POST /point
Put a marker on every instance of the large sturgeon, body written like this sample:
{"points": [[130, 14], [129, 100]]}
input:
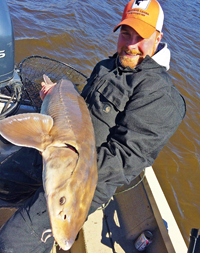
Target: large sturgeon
{"points": [[64, 135]]}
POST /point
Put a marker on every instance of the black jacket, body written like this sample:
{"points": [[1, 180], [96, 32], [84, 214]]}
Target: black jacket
{"points": [[134, 113]]}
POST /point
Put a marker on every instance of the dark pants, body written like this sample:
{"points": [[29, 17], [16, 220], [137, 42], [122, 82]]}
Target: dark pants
{"points": [[21, 185]]}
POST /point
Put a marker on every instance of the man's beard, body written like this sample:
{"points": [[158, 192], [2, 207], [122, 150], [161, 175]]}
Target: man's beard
{"points": [[128, 61]]}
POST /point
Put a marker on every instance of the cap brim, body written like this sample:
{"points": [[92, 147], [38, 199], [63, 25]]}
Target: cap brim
{"points": [[143, 29]]}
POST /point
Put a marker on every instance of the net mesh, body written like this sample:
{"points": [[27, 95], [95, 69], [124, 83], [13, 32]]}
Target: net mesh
{"points": [[31, 71]]}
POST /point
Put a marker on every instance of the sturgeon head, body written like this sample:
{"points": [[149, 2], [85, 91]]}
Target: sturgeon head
{"points": [[64, 135]]}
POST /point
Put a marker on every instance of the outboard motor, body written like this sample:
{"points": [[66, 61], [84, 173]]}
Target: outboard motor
{"points": [[9, 79], [7, 46]]}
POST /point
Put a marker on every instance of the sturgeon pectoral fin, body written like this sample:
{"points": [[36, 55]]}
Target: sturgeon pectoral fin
{"points": [[28, 129]]}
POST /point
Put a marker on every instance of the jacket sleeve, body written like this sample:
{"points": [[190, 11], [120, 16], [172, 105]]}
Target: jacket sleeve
{"points": [[145, 126]]}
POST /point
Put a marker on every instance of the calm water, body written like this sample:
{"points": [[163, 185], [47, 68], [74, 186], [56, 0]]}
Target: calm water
{"points": [[80, 33]]}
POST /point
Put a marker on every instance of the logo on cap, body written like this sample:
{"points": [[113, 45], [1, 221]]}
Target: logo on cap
{"points": [[142, 4]]}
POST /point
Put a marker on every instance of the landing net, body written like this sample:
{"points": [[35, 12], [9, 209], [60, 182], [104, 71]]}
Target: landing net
{"points": [[32, 69]]}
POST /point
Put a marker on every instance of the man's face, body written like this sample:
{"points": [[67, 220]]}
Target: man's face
{"points": [[132, 48]]}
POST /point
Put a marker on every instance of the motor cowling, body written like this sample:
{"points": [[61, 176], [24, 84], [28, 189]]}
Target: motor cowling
{"points": [[7, 46]]}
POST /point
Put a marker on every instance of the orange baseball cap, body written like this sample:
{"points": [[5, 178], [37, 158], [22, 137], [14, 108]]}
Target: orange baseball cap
{"points": [[144, 16]]}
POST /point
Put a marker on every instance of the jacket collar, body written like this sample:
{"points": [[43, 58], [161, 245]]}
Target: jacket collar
{"points": [[162, 55]]}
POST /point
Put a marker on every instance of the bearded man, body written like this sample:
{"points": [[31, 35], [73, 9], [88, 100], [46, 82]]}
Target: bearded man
{"points": [[135, 107]]}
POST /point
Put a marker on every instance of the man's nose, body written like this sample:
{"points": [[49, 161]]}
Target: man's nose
{"points": [[133, 41]]}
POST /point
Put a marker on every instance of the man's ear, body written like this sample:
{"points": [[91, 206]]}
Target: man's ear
{"points": [[159, 37], [157, 41]]}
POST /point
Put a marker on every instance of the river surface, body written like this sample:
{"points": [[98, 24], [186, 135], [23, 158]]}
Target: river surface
{"points": [[80, 34]]}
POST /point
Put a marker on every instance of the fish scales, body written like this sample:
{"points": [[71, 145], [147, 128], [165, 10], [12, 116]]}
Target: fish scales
{"points": [[66, 108], [60, 108]]}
